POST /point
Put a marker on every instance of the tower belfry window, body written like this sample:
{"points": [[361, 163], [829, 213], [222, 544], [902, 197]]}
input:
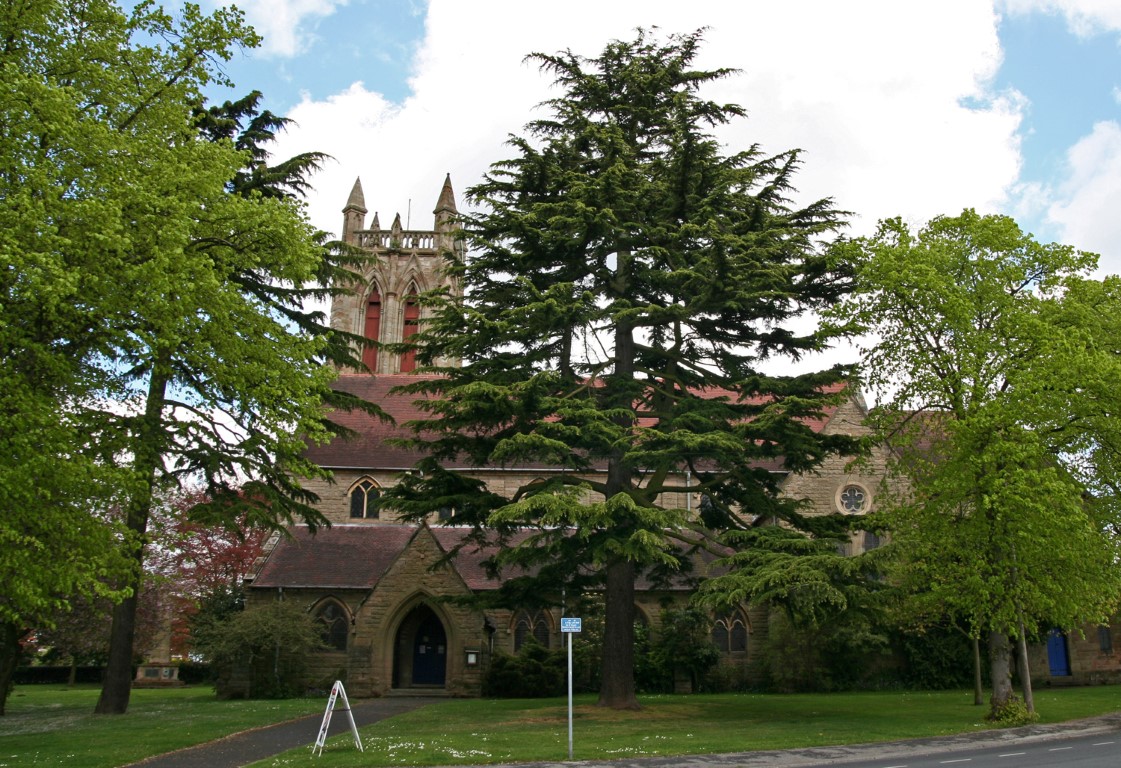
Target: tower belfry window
{"points": [[372, 329], [411, 325]]}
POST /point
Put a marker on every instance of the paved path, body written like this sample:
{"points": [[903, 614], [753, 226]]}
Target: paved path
{"points": [[250, 746]]}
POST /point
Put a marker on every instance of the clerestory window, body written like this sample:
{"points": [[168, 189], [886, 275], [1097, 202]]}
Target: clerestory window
{"points": [[363, 499]]}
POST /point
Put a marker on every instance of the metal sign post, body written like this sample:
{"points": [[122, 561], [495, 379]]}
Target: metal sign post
{"points": [[570, 626], [320, 740]]}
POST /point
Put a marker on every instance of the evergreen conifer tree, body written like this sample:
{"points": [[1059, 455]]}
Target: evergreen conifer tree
{"points": [[627, 279]]}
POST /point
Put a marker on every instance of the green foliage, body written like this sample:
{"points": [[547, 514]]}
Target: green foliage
{"points": [[809, 577], [650, 674], [261, 652], [1012, 713], [729, 677], [682, 645], [935, 659], [848, 653], [624, 271], [994, 357], [153, 328], [535, 672], [217, 607]]}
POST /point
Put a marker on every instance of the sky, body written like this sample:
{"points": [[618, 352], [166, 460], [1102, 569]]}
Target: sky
{"points": [[910, 109]]}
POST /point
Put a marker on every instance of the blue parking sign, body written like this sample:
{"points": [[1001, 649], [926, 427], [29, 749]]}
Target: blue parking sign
{"points": [[569, 624]]}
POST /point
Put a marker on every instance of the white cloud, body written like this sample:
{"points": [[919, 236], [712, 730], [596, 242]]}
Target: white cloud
{"points": [[1086, 210], [890, 101], [286, 27], [1085, 17]]}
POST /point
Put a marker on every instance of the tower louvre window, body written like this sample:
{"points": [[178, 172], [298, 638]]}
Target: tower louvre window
{"points": [[372, 329], [410, 327]]}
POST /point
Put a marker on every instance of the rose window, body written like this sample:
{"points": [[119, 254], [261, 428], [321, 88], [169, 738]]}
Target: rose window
{"points": [[853, 499]]}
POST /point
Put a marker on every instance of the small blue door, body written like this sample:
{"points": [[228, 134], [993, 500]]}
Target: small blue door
{"points": [[1057, 656]]}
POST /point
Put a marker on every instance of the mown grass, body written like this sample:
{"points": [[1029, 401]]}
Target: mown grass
{"points": [[480, 732], [53, 725]]}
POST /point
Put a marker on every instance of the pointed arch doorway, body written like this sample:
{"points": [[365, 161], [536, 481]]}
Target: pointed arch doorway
{"points": [[421, 650]]}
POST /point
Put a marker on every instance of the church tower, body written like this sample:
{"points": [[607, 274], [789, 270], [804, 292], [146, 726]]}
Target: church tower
{"points": [[404, 263]]}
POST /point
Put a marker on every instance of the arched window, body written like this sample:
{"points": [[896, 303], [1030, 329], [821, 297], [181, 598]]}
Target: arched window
{"points": [[372, 329], [363, 499], [412, 324], [527, 625], [729, 632], [335, 625]]}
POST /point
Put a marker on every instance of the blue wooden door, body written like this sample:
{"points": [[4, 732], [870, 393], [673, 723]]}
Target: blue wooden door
{"points": [[1057, 656]]}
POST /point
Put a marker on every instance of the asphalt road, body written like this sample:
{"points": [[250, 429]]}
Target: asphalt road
{"points": [[1095, 751]]}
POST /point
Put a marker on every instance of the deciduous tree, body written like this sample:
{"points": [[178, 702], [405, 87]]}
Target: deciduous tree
{"points": [[996, 386], [160, 289]]}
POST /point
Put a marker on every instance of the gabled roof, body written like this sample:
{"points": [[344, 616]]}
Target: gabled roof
{"points": [[369, 450], [357, 556], [339, 557]]}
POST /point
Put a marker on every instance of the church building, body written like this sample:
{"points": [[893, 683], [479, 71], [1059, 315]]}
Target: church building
{"points": [[378, 585]]}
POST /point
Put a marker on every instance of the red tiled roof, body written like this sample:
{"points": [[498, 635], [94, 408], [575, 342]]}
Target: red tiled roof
{"points": [[357, 556], [339, 557], [468, 562], [369, 449]]}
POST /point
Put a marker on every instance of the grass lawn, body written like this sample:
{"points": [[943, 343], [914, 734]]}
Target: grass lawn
{"points": [[54, 725], [484, 731]]}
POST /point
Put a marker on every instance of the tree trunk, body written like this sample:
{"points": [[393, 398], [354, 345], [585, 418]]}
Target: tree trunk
{"points": [[147, 442], [10, 634], [617, 671], [978, 688], [617, 674], [117, 686], [1000, 670], [1024, 670]]}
